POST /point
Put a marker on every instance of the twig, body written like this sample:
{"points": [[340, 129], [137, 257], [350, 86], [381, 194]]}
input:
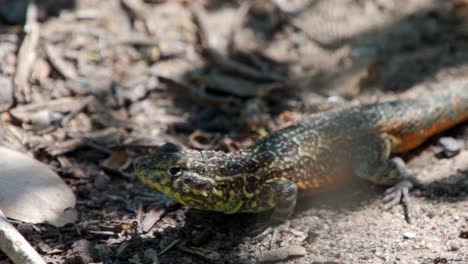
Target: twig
{"points": [[227, 104], [88, 142], [235, 67], [27, 55], [290, 18], [242, 87], [240, 18], [171, 245], [86, 101], [225, 63], [209, 255], [198, 12], [88, 139], [136, 11], [15, 246], [63, 67]]}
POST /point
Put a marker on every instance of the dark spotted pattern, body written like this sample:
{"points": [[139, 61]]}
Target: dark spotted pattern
{"points": [[320, 152]]}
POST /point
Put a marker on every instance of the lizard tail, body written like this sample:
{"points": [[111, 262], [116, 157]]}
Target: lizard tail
{"points": [[425, 118]]}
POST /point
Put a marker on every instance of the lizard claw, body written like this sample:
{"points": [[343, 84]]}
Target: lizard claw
{"points": [[398, 194]]}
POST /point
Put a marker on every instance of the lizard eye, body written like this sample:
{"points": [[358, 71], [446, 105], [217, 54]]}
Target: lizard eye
{"points": [[175, 171]]}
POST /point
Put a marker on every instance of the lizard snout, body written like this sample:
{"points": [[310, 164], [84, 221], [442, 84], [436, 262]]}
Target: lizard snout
{"points": [[142, 164]]}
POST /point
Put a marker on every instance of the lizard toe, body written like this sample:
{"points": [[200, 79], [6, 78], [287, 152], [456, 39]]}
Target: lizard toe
{"points": [[399, 194], [391, 200]]}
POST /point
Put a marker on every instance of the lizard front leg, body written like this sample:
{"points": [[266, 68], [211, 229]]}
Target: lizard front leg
{"points": [[372, 162], [281, 196], [406, 181]]}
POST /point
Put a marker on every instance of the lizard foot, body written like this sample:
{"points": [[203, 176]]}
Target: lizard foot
{"points": [[397, 194]]}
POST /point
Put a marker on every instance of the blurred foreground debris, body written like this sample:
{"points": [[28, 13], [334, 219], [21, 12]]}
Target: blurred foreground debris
{"points": [[32, 193]]}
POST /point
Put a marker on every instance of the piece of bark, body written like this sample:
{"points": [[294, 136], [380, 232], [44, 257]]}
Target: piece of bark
{"points": [[223, 62], [136, 10], [80, 252], [152, 217], [240, 87], [227, 104], [27, 54], [65, 68], [282, 253], [96, 139], [6, 93], [206, 254], [62, 105]]}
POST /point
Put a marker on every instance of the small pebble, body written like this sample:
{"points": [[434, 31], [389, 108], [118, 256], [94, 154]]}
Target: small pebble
{"points": [[409, 235], [464, 234], [451, 146], [454, 245], [429, 246]]}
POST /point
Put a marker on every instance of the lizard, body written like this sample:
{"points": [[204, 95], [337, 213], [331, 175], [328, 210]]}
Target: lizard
{"points": [[320, 151]]}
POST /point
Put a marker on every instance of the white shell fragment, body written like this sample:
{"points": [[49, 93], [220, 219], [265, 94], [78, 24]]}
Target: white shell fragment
{"points": [[32, 193]]}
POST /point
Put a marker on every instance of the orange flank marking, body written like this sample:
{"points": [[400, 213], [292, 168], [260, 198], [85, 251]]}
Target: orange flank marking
{"points": [[301, 185], [315, 183], [413, 139]]}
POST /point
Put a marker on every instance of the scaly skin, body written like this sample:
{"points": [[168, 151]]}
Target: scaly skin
{"points": [[319, 152]]}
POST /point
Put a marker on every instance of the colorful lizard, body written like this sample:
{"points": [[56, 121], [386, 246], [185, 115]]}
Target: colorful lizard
{"points": [[318, 152]]}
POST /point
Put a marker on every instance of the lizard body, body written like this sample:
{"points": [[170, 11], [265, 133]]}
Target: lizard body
{"points": [[319, 152]]}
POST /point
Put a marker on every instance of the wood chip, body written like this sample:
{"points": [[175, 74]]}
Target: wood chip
{"points": [[282, 253], [6, 93], [240, 87], [136, 10], [65, 68], [223, 62], [27, 55], [80, 252], [96, 139], [152, 217], [225, 103], [209, 255], [62, 105], [171, 245]]}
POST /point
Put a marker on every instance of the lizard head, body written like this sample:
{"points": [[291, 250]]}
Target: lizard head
{"points": [[191, 177]]}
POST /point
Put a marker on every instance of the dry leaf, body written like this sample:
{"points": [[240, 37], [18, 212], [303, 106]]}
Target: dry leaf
{"points": [[282, 253], [32, 193]]}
